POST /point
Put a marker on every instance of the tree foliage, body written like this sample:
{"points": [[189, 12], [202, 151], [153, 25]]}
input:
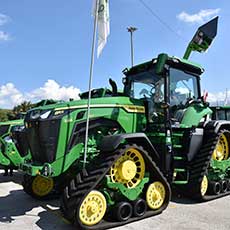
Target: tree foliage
{"points": [[6, 114], [23, 107]]}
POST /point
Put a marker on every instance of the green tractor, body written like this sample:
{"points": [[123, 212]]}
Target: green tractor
{"points": [[221, 112], [156, 133], [13, 149]]}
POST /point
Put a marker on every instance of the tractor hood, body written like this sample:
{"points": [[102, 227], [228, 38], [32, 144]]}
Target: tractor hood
{"points": [[61, 109], [51, 128]]}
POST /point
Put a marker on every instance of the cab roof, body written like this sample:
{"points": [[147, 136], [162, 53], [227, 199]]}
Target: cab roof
{"points": [[172, 61]]}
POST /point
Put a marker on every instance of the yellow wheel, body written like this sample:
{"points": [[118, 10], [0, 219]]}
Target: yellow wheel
{"points": [[129, 169], [93, 208], [42, 186], [221, 151], [155, 195], [204, 185]]}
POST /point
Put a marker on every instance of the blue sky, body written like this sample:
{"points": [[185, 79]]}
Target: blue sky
{"points": [[45, 46]]}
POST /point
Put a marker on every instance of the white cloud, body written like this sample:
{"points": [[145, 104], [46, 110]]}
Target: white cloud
{"points": [[4, 19], [219, 98], [200, 17], [52, 90], [4, 36], [11, 96]]}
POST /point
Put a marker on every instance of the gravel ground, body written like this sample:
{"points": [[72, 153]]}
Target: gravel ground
{"points": [[19, 211]]}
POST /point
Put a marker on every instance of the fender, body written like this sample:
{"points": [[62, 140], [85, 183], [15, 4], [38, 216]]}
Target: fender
{"points": [[111, 143], [217, 124]]}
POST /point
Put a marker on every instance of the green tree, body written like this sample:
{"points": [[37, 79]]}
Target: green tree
{"points": [[23, 107], [5, 114]]}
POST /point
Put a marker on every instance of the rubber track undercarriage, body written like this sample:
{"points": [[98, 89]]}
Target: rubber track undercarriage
{"points": [[92, 178], [200, 167]]}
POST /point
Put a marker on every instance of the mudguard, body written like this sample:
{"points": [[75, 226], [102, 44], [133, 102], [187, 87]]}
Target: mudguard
{"points": [[111, 143], [217, 124]]}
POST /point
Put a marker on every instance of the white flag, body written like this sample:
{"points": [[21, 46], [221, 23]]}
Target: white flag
{"points": [[103, 24]]}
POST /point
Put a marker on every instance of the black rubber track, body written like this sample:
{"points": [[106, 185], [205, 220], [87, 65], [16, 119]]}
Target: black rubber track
{"points": [[90, 179], [198, 167]]}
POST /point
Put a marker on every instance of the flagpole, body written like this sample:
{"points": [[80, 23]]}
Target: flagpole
{"points": [[90, 81]]}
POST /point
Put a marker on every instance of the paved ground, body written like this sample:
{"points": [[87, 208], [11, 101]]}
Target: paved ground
{"points": [[19, 211]]}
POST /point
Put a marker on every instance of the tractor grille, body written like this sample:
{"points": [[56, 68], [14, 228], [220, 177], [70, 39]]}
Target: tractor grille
{"points": [[21, 141], [43, 139], [4, 129]]}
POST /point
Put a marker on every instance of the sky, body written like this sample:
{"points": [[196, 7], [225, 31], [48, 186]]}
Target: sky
{"points": [[45, 46]]}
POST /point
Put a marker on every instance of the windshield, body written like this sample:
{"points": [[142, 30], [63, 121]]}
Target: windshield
{"points": [[183, 87], [147, 85]]}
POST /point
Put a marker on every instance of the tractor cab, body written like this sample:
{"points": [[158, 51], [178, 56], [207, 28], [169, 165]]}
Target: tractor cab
{"points": [[173, 93], [170, 86]]}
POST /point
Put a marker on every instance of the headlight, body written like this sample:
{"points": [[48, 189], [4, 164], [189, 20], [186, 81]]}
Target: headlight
{"points": [[35, 114], [45, 115], [40, 114]]}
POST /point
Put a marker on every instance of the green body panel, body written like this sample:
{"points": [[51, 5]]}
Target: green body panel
{"points": [[131, 194], [12, 122], [10, 156], [11, 153], [188, 62], [194, 114], [3, 160], [219, 170]]}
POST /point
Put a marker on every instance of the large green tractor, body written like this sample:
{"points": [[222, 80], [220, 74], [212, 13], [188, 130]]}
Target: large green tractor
{"points": [[157, 132], [221, 112], [13, 149], [13, 145]]}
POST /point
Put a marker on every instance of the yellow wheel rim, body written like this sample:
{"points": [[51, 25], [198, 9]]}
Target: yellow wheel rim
{"points": [[155, 195], [221, 151], [129, 169], [93, 208], [204, 185], [42, 186]]}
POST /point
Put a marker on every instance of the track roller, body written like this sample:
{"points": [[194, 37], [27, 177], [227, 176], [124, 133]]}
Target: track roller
{"points": [[214, 187], [224, 186], [139, 207], [155, 195], [204, 185], [123, 211], [228, 184], [93, 208]]}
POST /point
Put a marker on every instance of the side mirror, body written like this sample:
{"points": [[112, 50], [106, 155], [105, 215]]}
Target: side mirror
{"points": [[161, 61]]}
